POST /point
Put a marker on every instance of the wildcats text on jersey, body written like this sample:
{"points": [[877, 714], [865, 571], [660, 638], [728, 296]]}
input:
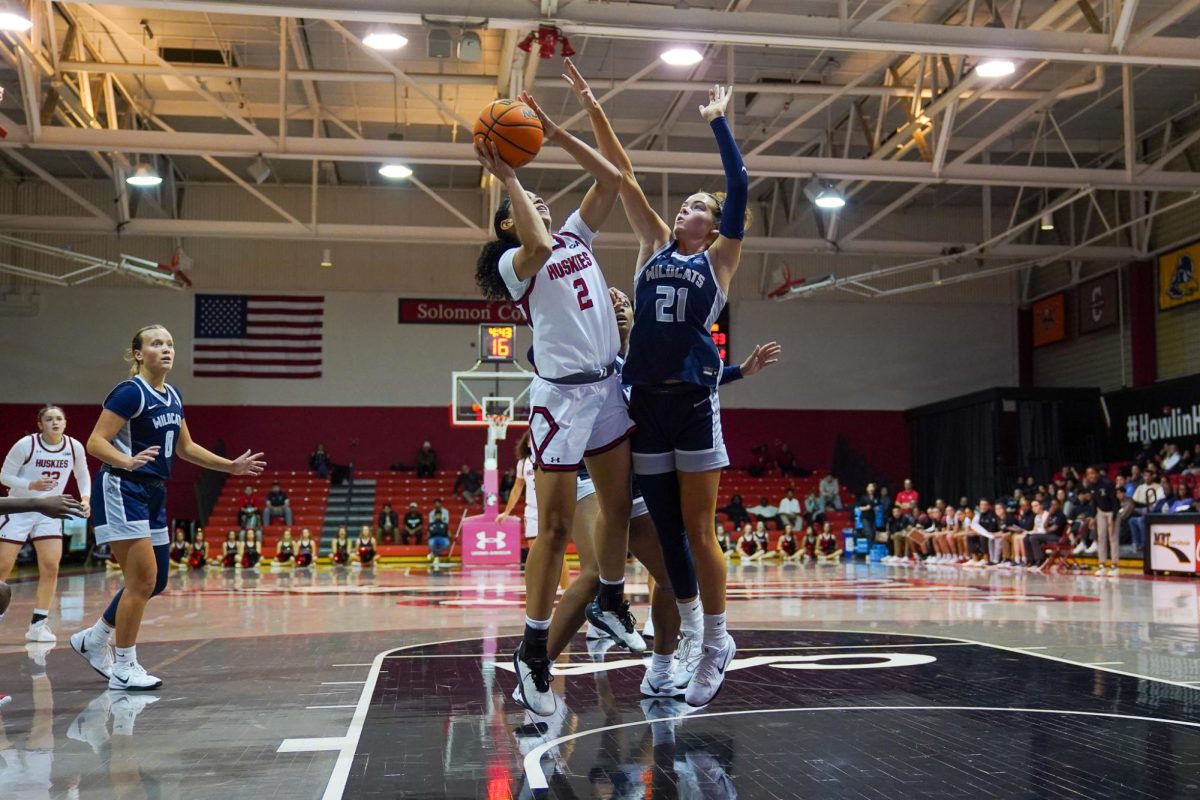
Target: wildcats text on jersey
{"points": [[170, 418], [656, 272]]}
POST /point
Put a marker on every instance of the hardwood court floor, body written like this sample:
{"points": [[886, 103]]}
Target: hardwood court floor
{"points": [[857, 682]]}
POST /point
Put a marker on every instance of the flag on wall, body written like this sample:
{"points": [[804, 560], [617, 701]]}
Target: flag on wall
{"points": [[1050, 319], [1178, 280], [258, 336], [1098, 300]]}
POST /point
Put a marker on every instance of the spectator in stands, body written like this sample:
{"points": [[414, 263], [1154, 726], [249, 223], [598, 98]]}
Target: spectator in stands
{"points": [[761, 464], [439, 519], [1171, 458], [365, 547], [736, 511], [908, 498], [885, 506], [810, 545], [306, 549], [789, 508], [198, 555], [785, 460], [724, 540], [426, 461], [814, 508], [1147, 493], [277, 505], [507, 481], [1000, 546], [468, 485], [1081, 522], [439, 546], [867, 503], [764, 511], [1042, 533], [986, 529], [285, 551], [339, 551], [413, 525], [829, 549], [831, 492], [389, 524], [248, 514], [1135, 478], [179, 548], [748, 546], [896, 530], [787, 548], [229, 556], [1065, 501], [762, 539], [319, 462], [251, 549], [1104, 498]]}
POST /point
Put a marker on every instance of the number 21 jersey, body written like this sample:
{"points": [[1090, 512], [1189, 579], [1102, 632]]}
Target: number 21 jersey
{"points": [[151, 418]]}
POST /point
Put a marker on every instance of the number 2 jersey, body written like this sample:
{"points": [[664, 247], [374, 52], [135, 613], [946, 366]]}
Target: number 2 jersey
{"points": [[676, 300], [31, 458], [151, 418], [567, 305]]}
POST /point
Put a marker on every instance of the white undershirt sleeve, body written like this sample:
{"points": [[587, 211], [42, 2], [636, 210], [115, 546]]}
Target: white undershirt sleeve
{"points": [[17, 457], [83, 478]]}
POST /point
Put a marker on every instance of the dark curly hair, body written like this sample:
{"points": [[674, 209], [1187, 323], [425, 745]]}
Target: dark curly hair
{"points": [[487, 268]]}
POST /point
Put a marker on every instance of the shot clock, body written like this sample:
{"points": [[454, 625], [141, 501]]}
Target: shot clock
{"points": [[497, 344]]}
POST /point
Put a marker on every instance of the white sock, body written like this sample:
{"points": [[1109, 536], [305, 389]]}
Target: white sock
{"points": [[101, 632], [691, 616], [714, 630], [660, 664], [126, 655], [537, 624]]}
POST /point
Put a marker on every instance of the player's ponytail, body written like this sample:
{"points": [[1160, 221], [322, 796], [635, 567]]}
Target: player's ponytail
{"points": [[135, 366], [487, 269]]}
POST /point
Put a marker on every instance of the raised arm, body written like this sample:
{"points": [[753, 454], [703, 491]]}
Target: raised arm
{"points": [[602, 196], [652, 233], [726, 252]]}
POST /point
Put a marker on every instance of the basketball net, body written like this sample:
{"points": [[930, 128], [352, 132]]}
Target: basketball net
{"points": [[497, 427]]}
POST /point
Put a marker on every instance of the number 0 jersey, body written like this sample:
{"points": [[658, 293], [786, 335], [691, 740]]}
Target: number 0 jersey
{"points": [[31, 458], [676, 300], [151, 418], [567, 305]]}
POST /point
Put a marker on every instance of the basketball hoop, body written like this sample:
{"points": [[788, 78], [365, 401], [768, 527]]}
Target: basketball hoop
{"points": [[498, 425]]}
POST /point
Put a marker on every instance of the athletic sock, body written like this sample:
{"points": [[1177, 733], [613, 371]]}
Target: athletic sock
{"points": [[611, 594], [660, 664], [537, 633], [714, 630], [39, 614], [126, 655], [691, 616], [101, 632]]}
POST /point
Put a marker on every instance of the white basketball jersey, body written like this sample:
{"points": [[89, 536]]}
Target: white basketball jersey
{"points": [[567, 305], [31, 458], [526, 471]]}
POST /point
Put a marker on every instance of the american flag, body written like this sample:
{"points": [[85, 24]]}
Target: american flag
{"points": [[258, 336]]}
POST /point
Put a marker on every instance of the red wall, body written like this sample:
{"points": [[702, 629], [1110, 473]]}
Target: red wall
{"points": [[376, 437]]}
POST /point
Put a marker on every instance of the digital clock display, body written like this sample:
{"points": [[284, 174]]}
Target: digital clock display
{"points": [[720, 334], [497, 344]]}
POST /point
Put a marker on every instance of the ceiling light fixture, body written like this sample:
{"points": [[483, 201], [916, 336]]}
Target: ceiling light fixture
{"points": [[326, 258], [144, 175], [395, 171], [995, 68], [682, 56], [1047, 223], [259, 169], [382, 37], [13, 17]]}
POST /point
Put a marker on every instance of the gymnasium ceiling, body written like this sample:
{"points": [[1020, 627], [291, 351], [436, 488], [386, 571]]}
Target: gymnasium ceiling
{"points": [[1096, 123]]}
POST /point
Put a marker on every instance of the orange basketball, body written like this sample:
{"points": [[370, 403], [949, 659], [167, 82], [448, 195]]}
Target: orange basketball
{"points": [[514, 128]]}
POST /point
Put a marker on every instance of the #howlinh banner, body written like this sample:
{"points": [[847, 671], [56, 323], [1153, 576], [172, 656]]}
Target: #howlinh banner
{"points": [[1153, 415]]}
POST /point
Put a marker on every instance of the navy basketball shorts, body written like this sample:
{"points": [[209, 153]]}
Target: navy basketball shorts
{"points": [[123, 509], [678, 429]]}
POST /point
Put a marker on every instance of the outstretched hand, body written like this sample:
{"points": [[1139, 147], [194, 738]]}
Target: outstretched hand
{"points": [[579, 86], [248, 464], [763, 356], [490, 158], [718, 102], [549, 128], [60, 506]]}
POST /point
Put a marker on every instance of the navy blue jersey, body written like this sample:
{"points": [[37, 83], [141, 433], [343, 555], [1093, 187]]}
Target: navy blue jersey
{"points": [[676, 300], [151, 418]]}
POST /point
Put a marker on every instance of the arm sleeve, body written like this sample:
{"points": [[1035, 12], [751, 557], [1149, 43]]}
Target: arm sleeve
{"points": [[83, 478], [731, 373], [737, 181], [125, 400], [13, 462], [578, 228], [517, 288]]}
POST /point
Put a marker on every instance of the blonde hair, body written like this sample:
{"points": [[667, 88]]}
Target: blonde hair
{"points": [[136, 345], [719, 201], [49, 407]]}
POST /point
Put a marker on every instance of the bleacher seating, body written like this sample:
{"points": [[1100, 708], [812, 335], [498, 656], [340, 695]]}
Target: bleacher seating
{"points": [[773, 487], [307, 495]]}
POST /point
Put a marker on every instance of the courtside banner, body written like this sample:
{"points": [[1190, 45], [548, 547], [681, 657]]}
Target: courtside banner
{"points": [[440, 311], [1173, 543], [1178, 283], [1152, 415]]}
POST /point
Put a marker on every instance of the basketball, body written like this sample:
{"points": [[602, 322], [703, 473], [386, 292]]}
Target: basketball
{"points": [[515, 129]]}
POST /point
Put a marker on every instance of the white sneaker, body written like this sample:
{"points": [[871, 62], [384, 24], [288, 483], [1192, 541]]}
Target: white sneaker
{"points": [[659, 686], [595, 633], [648, 628], [710, 673], [1113, 572], [1101, 573], [533, 685], [40, 632], [1079, 548], [37, 652], [125, 708], [132, 677], [98, 657], [1091, 549], [618, 624], [685, 660]]}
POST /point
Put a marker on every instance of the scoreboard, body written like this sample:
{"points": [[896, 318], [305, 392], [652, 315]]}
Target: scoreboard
{"points": [[720, 334], [497, 344]]}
